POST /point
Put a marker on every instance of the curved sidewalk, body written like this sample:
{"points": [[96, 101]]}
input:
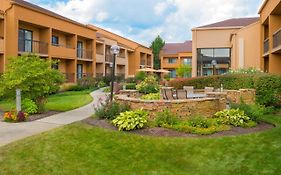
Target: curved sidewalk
{"points": [[10, 132]]}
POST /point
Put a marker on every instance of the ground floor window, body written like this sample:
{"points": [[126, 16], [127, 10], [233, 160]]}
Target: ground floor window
{"points": [[213, 61], [173, 73]]}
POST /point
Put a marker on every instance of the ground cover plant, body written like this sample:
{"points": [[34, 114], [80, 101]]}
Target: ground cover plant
{"points": [[151, 96], [98, 151]]}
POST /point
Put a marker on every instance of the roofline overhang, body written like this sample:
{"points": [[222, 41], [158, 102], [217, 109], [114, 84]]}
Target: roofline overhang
{"points": [[53, 15], [217, 28], [262, 6]]}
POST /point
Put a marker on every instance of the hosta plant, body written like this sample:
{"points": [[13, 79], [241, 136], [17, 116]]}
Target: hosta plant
{"points": [[234, 117], [131, 120]]}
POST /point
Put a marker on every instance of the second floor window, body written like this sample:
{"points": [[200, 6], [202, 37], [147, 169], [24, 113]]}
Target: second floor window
{"points": [[172, 60], [187, 61], [55, 40]]}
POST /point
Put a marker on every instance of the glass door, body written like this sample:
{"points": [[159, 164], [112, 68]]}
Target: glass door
{"points": [[25, 40], [79, 71], [80, 49]]}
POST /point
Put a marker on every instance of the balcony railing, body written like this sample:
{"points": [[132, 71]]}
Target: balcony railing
{"points": [[109, 58], [142, 62], [121, 75], [84, 54], [266, 46], [84, 75], [69, 77], [1, 44], [277, 38], [99, 74], [33, 46], [64, 46]]}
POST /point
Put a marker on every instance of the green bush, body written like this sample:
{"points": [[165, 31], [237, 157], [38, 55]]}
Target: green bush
{"points": [[101, 84], [29, 106], [140, 76], [76, 88], [199, 122], [131, 120], [254, 111], [148, 85], [131, 80], [152, 96], [234, 117], [87, 83], [165, 118], [110, 110], [130, 86]]}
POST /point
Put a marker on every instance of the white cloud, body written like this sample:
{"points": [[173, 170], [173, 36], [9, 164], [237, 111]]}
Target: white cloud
{"points": [[143, 20]]}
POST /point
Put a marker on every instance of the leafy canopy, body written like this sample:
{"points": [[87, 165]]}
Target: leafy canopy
{"points": [[183, 71], [32, 75], [156, 47]]}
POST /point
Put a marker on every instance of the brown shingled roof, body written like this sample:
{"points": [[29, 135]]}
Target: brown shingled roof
{"points": [[48, 12], [234, 22], [175, 48]]}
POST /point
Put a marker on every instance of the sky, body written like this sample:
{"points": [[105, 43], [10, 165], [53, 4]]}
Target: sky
{"points": [[143, 20]]}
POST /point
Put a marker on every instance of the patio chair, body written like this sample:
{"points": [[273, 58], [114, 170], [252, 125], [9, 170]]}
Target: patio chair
{"points": [[189, 89], [169, 94], [209, 89], [163, 94], [181, 94]]}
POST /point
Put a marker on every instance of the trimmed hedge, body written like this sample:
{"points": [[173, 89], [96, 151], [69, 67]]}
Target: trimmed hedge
{"points": [[268, 86]]}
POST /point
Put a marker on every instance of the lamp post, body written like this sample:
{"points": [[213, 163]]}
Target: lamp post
{"points": [[214, 63], [114, 50]]}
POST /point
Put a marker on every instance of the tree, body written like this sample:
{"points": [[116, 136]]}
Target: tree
{"points": [[33, 76], [183, 70], [156, 47]]}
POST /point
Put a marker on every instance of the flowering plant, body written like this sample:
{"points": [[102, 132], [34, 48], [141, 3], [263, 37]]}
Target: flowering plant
{"points": [[13, 117]]}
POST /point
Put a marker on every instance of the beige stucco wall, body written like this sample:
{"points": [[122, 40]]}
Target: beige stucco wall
{"points": [[246, 47]]}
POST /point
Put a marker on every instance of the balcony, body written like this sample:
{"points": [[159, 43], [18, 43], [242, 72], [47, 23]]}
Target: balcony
{"points": [[32, 46], [266, 46], [84, 75], [62, 51], [142, 62], [109, 58], [1, 45], [99, 75], [84, 54], [277, 41], [121, 75]]}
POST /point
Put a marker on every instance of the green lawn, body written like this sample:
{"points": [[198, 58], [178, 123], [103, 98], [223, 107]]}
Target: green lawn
{"points": [[58, 102], [83, 149]]}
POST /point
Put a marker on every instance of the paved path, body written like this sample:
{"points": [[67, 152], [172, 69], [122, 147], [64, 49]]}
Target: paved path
{"points": [[10, 132]]}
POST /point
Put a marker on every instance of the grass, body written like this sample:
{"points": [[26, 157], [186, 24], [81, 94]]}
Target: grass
{"points": [[58, 102], [83, 149]]}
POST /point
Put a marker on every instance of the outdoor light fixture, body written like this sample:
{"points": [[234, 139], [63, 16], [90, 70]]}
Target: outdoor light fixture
{"points": [[114, 50], [214, 63]]}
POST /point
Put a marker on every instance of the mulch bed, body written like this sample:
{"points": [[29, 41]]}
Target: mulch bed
{"points": [[35, 116], [163, 132]]}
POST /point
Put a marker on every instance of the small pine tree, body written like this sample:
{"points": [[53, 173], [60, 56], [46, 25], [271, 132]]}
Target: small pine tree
{"points": [[156, 47]]}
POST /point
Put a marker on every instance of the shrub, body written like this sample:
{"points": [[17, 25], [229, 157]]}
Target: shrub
{"points": [[152, 96], [87, 83], [148, 85], [250, 70], [165, 118], [140, 76], [130, 86], [29, 106], [254, 111], [76, 88], [101, 84], [33, 76], [234, 117], [13, 117], [111, 110], [107, 89], [131, 120], [199, 122], [131, 80]]}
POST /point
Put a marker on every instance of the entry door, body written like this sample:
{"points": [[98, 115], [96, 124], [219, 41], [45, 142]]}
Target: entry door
{"points": [[79, 71], [266, 64], [80, 49], [25, 40]]}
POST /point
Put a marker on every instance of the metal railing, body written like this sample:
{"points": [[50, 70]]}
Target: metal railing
{"points": [[32, 46], [99, 74], [266, 46], [277, 38], [84, 75], [64, 46], [69, 77], [142, 62], [84, 54], [122, 75]]}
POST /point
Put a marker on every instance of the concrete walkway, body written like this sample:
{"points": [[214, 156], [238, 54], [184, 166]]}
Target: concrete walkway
{"points": [[10, 132]]}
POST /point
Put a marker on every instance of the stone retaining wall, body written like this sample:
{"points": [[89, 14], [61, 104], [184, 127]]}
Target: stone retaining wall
{"points": [[206, 107], [248, 96]]}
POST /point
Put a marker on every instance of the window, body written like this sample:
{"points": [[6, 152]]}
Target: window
{"points": [[25, 40], [55, 40], [187, 61], [205, 57], [80, 49], [79, 71], [55, 66], [173, 73], [172, 60]]}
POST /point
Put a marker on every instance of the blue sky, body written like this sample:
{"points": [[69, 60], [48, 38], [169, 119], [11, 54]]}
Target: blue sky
{"points": [[143, 20]]}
